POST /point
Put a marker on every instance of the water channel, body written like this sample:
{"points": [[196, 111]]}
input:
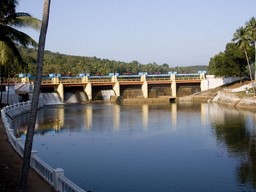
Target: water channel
{"points": [[149, 148]]}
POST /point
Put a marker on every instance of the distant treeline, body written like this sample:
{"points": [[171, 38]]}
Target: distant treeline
{"points": [[68, 65]]}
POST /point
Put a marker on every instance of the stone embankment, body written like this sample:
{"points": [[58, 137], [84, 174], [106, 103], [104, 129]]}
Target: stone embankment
{"points": [[231, 99], [234, 96]]}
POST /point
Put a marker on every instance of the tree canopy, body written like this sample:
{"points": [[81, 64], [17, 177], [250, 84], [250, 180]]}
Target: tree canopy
{"points": [[10, 37], [238, 57]]}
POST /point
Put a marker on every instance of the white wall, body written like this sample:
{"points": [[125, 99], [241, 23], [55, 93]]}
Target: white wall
{"points": [[211, 82]]}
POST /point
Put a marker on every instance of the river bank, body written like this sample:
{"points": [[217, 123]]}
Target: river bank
{"points": [[225, 96]]}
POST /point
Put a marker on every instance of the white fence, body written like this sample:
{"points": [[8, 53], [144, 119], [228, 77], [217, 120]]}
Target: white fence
{"points": [[54, 177]]}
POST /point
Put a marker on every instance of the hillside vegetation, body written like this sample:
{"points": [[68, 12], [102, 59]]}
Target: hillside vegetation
{"points": [[74, 65]]}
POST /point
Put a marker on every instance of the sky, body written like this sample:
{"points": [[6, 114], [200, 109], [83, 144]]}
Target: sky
{"points": [[175, 32]]}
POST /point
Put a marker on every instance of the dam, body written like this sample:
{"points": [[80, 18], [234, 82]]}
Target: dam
{"points": [[84, 88]]}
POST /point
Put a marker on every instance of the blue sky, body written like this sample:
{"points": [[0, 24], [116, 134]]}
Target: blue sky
{"points": [[176, 32]]}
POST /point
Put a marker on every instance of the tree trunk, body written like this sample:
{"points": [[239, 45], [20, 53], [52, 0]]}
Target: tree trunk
{"points": [[8, 88], [2, 81], [254, 60], [250, 71], [35, 99]]}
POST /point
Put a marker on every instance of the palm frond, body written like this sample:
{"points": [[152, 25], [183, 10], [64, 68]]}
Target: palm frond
{"points": [[242, 38], [22, 14], [9, 53], [251, 27], [251, 23], [25, 20], [18, 36]]}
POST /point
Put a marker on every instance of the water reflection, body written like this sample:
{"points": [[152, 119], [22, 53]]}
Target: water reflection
{"points": [[46, 121], [84, 116], [116, 117], [174, 126], [237, 134], [174, 116], [145, 116], [88, 117]]}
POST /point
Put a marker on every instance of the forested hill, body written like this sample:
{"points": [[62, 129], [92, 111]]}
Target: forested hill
{"points": [[73, 65]]}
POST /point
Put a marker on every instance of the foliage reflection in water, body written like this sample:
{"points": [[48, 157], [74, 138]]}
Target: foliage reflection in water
{"points": [[176, 147], [236, 130]]}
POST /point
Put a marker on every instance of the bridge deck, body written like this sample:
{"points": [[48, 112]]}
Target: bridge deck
{"points": [[107, 81]]}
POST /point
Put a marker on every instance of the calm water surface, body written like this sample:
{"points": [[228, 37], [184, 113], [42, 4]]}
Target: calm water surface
{"points": [[176, 147]]}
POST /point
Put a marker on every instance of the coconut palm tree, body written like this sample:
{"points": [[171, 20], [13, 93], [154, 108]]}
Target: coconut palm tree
{"points": [[10, 37], [35, 99], [242, 38], [251, 28]]}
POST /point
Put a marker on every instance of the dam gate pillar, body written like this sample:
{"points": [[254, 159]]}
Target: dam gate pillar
{"points": [[88, 91], [60, 91], [173, 86]]}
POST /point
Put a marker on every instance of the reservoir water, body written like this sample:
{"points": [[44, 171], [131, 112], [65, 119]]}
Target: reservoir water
{"points": [[149, 148]]}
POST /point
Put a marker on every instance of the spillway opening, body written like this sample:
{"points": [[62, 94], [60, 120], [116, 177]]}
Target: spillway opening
{"points": [[75, 95], [51, 98]]}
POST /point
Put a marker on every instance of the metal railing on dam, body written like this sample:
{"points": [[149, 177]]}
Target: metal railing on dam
{"points": [[112, 77], [55, 177]]}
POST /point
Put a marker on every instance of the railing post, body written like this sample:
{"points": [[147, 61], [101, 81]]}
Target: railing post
{"points": [[9, 131], [32, 159], [56, 174], [18, 146], [8, 126]]}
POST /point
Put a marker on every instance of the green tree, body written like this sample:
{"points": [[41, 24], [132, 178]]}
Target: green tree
{"points": [[251, 28], [10, 36], [231, 62], [220, 66], [242, 39], [236, 56], [35, 99]]}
